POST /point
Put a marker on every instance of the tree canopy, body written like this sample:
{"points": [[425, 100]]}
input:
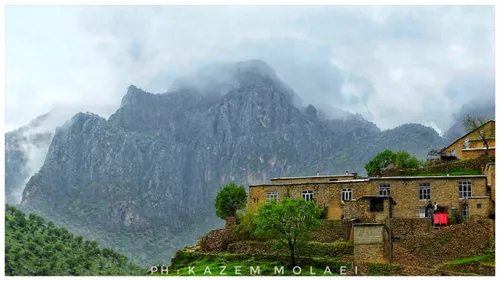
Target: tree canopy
{"points": [[229, 200], [402, 159], [291, 221], [34, 247]]}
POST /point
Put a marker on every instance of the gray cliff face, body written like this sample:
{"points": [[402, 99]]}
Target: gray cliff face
{"points": [[167, 154], [159, 160]]}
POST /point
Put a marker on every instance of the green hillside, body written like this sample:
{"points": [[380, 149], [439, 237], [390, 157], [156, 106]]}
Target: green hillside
{"points": [[36, 247]]}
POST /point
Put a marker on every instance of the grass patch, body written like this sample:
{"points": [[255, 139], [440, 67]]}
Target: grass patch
{"points": [[228, 264], [452, 173], [484, 259]]}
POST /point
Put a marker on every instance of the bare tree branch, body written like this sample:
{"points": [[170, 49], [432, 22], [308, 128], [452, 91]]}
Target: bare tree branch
{"points": [[475, 123]]}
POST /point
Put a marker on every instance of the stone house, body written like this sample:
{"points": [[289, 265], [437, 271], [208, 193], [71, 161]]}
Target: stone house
{"points": [[464, 195], [471, 145]]}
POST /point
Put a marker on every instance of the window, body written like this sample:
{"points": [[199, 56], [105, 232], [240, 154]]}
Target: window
{"points": [[466, 143], [464, 189], [424, 191], [271, 196], [346, 194], [454, 152], [479, 206], [377, 205], [465, 210], [307, 195], [384, 189]]}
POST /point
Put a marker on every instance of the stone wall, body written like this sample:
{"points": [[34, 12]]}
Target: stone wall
{"points": [[402, 227], [331, 231], [360, 209], [471, 238], [444, 191], [326, 194], [479, 207], [216, 240], [311, 249]]}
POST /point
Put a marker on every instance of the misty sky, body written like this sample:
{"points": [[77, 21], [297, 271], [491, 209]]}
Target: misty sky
{"points": [[393, 65]]}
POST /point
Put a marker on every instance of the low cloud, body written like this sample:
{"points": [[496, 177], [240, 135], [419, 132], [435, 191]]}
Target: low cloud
{"points": [[393, 65]]}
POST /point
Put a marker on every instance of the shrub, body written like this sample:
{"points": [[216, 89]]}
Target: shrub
{"points": [[247, 224]]}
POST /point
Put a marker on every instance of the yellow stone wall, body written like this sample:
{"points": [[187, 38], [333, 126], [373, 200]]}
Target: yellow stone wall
{"points": [[444, 191], [490, 175], [483, 211], [471, 154], [474, 142], [326, 194], [404, 191]]}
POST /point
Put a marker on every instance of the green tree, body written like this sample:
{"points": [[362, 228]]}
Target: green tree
{"points": [[379, 162], [291, 221], [405, 160], [230, 199], [402, 159]]}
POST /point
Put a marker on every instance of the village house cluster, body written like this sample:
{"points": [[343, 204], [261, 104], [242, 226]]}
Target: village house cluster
{"points": [[372, 205], [345, 196]]}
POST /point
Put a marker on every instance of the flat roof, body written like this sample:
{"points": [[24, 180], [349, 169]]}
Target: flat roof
{"points": [[374, 178], [428, 177], [312, 177], [307, 182]]}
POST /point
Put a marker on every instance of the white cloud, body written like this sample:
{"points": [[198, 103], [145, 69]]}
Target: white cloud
{"points": [[386, 63]]}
